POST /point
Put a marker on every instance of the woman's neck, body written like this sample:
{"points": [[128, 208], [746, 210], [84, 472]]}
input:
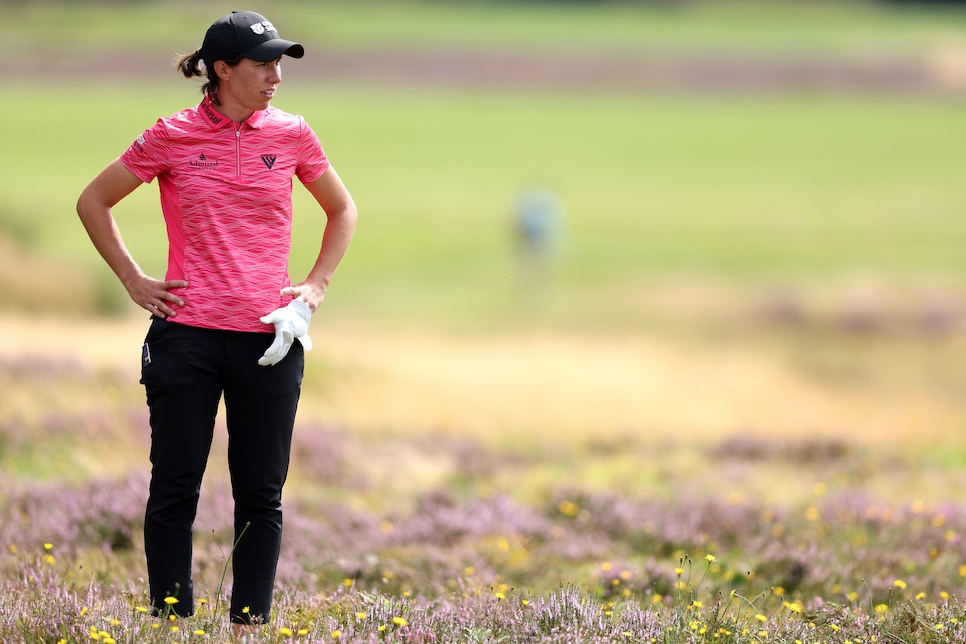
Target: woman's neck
{"points": [[234, 112]]}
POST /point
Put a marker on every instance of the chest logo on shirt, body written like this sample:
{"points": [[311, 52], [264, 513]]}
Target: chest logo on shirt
{"points": [[268, 160], [202, 163]]}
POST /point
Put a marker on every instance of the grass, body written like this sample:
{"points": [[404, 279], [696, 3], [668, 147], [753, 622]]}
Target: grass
{"points": [[752, 190], [733, 416], [746, 190], [841, 27]]}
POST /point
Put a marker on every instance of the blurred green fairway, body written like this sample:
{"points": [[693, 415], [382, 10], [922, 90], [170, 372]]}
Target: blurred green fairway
{"points": [[745, 189]]}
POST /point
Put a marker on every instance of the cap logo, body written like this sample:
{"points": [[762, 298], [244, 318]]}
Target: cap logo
{"points": [[261, 27]]}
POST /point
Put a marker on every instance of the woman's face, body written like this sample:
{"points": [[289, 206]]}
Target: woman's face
{"points": [[248, 86]]}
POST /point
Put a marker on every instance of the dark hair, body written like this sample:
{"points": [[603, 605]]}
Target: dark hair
{"points": [[191, 65]]}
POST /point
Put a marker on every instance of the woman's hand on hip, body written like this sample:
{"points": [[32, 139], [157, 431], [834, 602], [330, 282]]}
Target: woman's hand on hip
{"points": [[155, 296]]}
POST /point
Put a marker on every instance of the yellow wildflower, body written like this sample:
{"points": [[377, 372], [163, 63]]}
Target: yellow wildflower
{"points": [[170, 601], [569, 508], [336, 634], [710, 558], [399, 621], [898, 583]]}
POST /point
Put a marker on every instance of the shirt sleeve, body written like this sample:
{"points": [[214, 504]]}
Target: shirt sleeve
{"points": [[312, 162], [147, 156]]}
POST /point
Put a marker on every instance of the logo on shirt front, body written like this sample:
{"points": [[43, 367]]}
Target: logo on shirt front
{"points": [[268, 160], [202, 163]]}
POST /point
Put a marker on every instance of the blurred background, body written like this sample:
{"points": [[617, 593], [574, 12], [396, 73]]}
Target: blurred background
{"points": [[588, 230]]}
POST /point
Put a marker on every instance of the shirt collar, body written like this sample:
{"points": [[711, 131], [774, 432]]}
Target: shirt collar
{"points": [[217, 120]]}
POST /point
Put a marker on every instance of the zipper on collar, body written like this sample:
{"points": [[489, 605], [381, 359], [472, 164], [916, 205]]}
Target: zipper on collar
{"points": [[238, 128]]}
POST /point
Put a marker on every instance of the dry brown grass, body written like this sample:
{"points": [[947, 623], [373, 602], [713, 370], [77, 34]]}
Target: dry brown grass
{"points": [[656, 414], [563, 388]]}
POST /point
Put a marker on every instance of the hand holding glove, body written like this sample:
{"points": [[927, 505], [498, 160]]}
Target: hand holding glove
{"points": [[291, 323]]}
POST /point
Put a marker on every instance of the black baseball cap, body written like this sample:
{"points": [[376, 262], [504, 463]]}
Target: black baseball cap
{"points": [[246, 34]]}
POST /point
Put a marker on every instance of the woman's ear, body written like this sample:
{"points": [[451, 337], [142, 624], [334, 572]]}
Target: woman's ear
{"points": [[221, 69]]}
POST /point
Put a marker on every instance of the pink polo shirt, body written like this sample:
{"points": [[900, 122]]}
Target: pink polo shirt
{"points": [[226, 196]]}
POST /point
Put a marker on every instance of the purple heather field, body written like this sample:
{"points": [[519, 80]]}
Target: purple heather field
{"points": [[466, 560]]}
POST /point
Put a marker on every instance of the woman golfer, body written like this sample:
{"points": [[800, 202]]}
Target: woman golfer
{"points": [[227, 321]]}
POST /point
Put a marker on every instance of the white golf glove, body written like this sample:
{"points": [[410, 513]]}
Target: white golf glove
{"points": [[291, 323]]}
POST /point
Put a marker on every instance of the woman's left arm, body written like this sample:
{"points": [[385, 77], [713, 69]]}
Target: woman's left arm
{"points": [[341, 215]]}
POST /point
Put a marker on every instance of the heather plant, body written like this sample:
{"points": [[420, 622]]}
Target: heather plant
{"points": [[586, 566], [468, 559]]}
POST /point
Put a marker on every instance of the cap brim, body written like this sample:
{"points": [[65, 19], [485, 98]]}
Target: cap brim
{"points": [[274, 49]]}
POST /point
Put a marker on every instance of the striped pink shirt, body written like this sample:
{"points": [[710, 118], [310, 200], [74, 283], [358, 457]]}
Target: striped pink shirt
{"points": [[226, 196]]}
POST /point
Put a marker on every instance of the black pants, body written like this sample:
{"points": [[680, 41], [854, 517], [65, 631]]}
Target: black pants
{"points": [[185, 371]]}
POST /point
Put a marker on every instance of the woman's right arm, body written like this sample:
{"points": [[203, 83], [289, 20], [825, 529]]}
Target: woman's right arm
{"points": [[94, 208]]}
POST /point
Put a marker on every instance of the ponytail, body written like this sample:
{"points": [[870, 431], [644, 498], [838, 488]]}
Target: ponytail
{"points": [[191, 65]]}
